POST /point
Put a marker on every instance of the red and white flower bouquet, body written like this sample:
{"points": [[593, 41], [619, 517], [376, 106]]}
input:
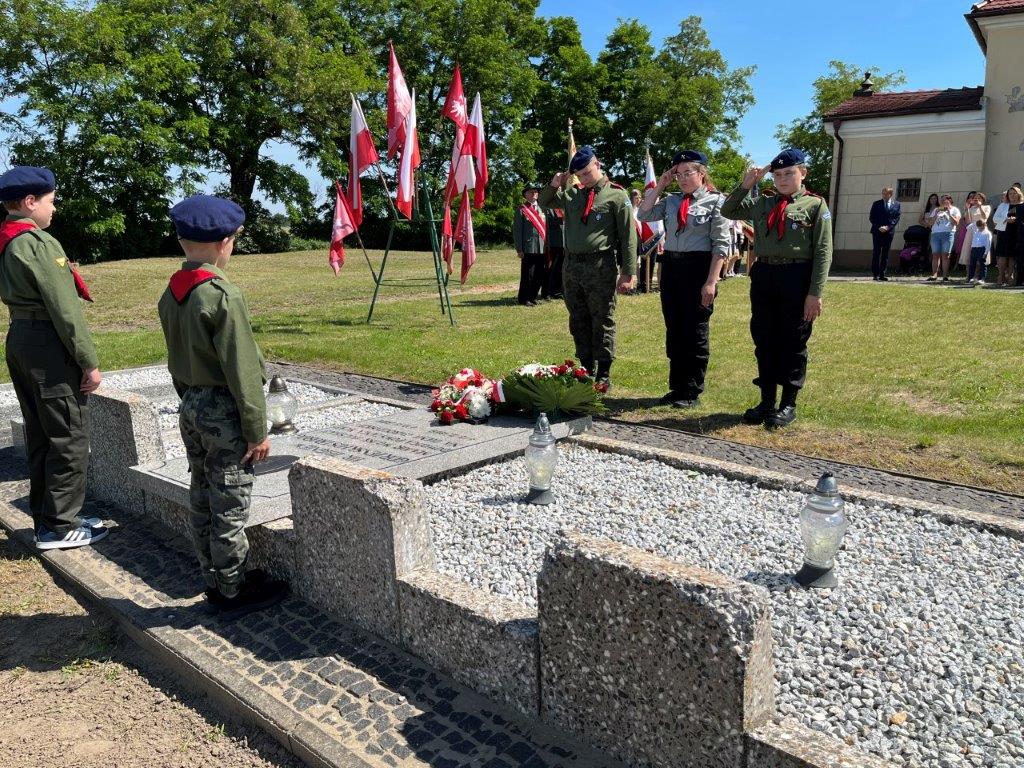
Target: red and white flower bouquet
{"points": [[466, 396]]}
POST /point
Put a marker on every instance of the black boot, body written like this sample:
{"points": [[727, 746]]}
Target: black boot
{"points": [[760, 412], [255, 594], [588, 364], [786, 413], [604, 375]]}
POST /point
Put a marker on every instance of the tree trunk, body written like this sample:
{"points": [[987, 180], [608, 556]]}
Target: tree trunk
{"points": [[243, 165]]}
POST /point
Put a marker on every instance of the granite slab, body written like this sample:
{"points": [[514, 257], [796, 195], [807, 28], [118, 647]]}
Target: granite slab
{"points": [[409, 444]]}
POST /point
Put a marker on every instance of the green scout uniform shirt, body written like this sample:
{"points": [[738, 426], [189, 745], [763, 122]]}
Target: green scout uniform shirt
{"points": [[807, 235], [35, 276], [525, 235], [609, 226], [210, 344]]}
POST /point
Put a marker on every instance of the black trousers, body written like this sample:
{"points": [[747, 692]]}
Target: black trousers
{"points": [[532, 273], [48, 381], [552, 288], [1018, 264], [881, 244], [777, 326], [687, 322]]}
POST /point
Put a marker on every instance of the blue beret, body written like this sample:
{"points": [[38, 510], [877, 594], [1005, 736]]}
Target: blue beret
{"points": [[24, 180], [581, 159], [689, 156], [787, 158], [206, 219], [534, 187]]}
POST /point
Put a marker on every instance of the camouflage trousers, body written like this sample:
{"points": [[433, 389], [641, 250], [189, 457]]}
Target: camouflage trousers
{"points": [[221, 487], [588, 287]]}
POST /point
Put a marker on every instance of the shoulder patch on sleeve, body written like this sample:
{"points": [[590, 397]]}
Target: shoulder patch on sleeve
{"points": [[826, 215]]}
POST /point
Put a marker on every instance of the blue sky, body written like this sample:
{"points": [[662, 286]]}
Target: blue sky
{"points": [[928, 39]]}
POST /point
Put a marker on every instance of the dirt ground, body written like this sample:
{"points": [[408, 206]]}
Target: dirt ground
{"points": [[73, 692]]}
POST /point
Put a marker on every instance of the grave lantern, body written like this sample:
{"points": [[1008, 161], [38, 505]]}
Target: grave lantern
{"points": [[541, 458], [822, 526], [281, 407]]}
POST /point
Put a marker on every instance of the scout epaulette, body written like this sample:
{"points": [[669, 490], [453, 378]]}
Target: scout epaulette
{"points": [[184, 281], [11, 229], [615, 185]]}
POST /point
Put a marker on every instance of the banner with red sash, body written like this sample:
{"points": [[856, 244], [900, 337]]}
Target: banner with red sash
{"points": [[536, 218]]}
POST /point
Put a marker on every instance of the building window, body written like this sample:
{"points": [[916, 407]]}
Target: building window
{"points": [[908, 189]]}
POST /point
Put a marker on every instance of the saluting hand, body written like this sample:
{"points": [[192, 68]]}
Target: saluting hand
{"points": [[754, 175], [667, 178], [559, 178], [812, 308]]}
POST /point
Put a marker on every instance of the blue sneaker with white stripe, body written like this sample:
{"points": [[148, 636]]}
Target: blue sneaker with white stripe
{"points": [[77, 537]]}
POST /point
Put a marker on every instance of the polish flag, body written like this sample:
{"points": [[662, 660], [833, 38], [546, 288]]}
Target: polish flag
{"points": [[410, 161], [447, 236], [464, 235], [650, 228], [399, 103], [344, 225], [361, 155], [460, 173], [476, 145]]}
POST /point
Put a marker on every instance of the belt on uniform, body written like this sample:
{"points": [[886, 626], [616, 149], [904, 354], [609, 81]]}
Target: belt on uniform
{"points": [[687, 253], [30, 314], [592, 254], [778, 261]]}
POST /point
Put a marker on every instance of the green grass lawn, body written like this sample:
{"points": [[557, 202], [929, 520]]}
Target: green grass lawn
{"points": [[919, 379]]}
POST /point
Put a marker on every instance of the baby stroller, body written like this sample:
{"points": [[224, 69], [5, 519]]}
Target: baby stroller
{"points": [[916, 253]]}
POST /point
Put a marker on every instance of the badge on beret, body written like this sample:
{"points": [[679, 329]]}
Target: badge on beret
{"points": [[795, 226]]}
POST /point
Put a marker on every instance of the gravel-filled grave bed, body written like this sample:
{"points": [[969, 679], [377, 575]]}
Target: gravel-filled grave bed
{"points": [[917, 657]]}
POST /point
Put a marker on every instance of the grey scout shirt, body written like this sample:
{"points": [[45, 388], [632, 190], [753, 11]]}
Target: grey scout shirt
{"points": [[706, 228]]}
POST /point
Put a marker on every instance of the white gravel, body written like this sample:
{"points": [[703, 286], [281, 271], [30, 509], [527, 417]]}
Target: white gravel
{"points": [[927, 621], [8, 398], [308, 421]]}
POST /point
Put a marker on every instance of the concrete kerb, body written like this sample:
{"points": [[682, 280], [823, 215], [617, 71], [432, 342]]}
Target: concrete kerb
{"points": [[998, 524], [191, 663]]}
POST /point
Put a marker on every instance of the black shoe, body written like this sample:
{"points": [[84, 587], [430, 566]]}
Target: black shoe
{"points": [[781, 417], [945, 279], [932, 279], [874, 277], [604, 376], [255, 595], [759, 412], [686, 403], [883, 279], [670, 397]]}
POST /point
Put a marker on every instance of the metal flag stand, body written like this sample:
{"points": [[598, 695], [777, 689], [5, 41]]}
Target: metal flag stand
{"points": [[420, 218]]}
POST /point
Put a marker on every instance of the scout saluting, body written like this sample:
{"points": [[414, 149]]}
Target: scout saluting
{"points": [[51, 359], [598, 222], [793, 243], [218, 371]]}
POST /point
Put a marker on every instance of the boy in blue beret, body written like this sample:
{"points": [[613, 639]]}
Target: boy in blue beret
{"points": [[793, 243], [219, 372], [51, 359]]}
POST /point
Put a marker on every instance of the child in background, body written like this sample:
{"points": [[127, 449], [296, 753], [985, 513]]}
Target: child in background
{"points": [[981, 250]]}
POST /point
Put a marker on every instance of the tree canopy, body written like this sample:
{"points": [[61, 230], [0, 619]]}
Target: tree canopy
{"points": [[135, 103]]}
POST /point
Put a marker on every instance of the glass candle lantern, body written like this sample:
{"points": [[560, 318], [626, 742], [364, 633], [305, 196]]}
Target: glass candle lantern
{"points": [[281, 407], [822, 527], [541, 459]]}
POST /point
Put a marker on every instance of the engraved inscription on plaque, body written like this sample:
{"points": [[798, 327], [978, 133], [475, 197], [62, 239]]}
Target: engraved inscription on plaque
{"points": [[381, 444]]}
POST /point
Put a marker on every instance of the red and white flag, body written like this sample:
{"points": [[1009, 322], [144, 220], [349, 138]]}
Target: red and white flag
{"points": [[344, 225], [464, 236], [649, 229], [476, 144], [399, 103], [361, 155], [460, 173], [409, 162], [447, 236]]}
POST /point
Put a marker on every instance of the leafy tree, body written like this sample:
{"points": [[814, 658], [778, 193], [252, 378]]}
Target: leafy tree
{"points": [[682, 96], [808, 133]]}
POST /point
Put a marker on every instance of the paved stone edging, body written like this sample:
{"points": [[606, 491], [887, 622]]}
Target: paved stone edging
{"points": [[331, 694], [878, 481]]}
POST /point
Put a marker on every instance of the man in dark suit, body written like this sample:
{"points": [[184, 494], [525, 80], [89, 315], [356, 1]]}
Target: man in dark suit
{"points": [[884, 216]]}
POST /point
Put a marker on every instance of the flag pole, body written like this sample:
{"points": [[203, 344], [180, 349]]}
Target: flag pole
{"points": [[359, 238], [568, 162]]}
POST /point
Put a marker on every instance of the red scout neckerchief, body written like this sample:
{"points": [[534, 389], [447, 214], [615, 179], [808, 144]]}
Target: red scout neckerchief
{"points": [[184, 281], [11, 229], [590, 204], [539, 223], [777, 216], [683, 213]]}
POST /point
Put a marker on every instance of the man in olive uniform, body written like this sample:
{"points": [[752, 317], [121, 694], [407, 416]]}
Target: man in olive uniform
{"points": [[600, 257], [219, 373], [529, 232], [51, 359], [793, 243]]}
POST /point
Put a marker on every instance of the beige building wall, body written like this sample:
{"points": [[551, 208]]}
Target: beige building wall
{"points": [[945, 151], [1004, 130]]}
